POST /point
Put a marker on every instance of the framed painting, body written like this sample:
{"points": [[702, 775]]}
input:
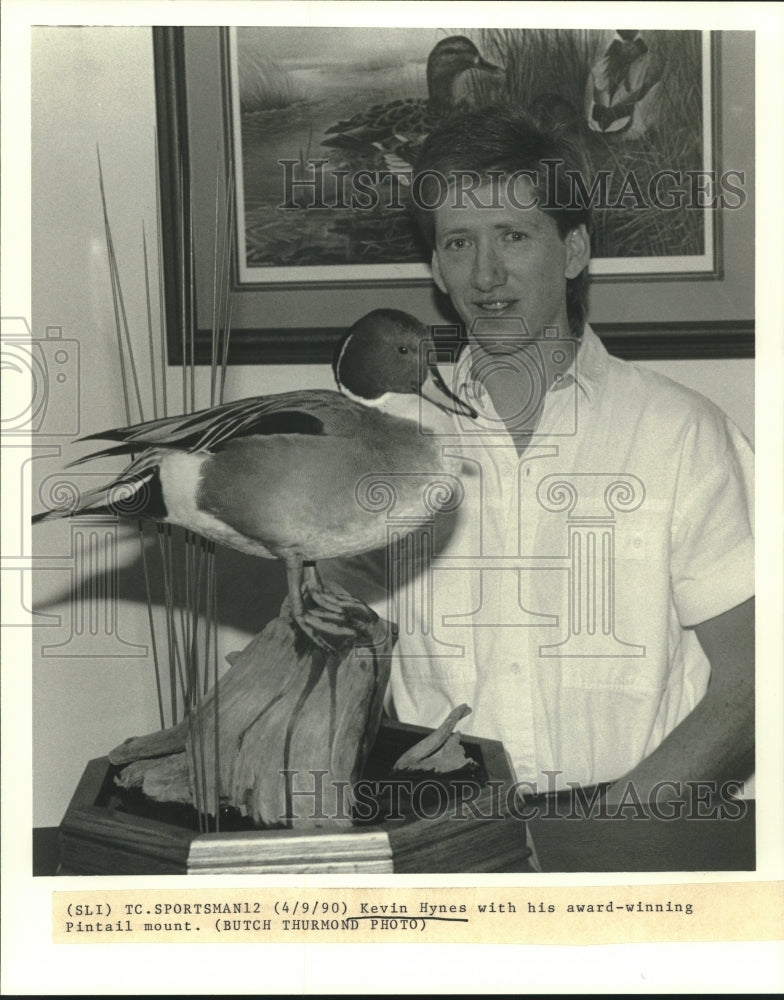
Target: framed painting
{"points": [[305, 136]]}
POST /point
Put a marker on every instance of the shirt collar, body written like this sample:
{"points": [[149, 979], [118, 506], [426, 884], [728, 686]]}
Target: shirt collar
{"points": [[588, 370]]}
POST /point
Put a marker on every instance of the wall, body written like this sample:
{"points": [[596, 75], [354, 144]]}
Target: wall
{"points": [[95, 86]]}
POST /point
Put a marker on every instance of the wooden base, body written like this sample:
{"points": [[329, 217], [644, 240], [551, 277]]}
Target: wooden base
{"points": [[415, 823]]}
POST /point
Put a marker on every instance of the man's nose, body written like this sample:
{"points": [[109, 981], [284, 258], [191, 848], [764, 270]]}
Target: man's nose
{"points": [[489, 269]]}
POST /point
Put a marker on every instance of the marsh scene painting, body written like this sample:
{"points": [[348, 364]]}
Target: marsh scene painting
{"points": [[323, 116]]}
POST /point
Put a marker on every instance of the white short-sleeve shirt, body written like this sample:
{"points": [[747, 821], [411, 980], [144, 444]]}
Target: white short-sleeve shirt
{"points": [[557, 600]]}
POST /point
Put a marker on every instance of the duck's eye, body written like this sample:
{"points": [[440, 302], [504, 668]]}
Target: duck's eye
{"points": [[403, 350]]}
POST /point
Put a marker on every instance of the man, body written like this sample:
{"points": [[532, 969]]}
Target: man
{"points": [[592, 597]]}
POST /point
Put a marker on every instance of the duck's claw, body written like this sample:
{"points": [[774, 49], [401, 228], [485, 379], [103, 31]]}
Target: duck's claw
{"points": [[329, 616], [329, 625], [324, 630], [330, 619], [341, 603]]}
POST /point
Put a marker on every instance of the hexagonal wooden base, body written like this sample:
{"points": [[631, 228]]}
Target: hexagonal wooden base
{"points": [[426, 823]]}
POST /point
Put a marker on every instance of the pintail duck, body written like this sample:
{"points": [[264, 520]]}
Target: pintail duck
{"points": [[275, 476], [622, 87], [397, 128]]}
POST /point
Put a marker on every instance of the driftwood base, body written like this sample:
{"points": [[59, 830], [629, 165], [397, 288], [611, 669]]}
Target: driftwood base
{"points": [[287, 713]]}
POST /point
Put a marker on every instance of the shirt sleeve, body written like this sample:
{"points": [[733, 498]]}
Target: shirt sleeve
{"points": [[712, 555]]}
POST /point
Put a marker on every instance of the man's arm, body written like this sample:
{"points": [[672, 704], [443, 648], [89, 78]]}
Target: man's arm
{"points": [[716, 740]]}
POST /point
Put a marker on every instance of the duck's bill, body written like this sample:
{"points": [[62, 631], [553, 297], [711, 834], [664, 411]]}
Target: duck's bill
{"points": [[436, 391], [488, 67]]}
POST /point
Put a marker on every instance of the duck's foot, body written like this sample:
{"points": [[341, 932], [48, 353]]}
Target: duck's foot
{"points": [[333, 616], [331, 629], [329, 616], [324, 631], [337, 601]]}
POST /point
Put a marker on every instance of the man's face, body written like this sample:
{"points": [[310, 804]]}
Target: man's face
{"points": [[506, 260]]}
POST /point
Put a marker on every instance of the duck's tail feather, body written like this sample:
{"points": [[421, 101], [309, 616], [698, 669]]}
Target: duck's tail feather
{"points": [[397, 165], [62, 512], [127, 448], [136, 492]]}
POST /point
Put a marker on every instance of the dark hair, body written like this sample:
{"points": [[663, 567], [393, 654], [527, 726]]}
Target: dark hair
{"points": [[544, 142]]}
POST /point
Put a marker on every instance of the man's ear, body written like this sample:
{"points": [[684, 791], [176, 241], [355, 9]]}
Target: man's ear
{"points": [[437, 276], [578, 251]]}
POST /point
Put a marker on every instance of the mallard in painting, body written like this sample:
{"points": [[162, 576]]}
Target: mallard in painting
{"points": [[397, 128]]}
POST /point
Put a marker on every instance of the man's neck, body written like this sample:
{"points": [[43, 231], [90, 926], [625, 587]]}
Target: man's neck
{"points": [[518, 382]]}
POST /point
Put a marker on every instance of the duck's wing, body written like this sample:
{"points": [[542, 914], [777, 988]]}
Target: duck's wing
{"points": [[372, 116], [313, 412], [380, 123], [401, 146]]}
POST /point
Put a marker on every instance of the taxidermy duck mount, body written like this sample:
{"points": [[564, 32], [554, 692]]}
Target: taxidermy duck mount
{"points": [[279, 477]]}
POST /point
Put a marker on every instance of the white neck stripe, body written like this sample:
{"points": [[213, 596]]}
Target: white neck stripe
{"points": [[337, 363], [379, 401]]}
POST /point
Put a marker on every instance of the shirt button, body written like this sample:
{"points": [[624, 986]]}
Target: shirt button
{"points": [[515, 667]]}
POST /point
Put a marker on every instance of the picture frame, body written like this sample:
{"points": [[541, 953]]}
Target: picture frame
{"points": [[662, 313]]}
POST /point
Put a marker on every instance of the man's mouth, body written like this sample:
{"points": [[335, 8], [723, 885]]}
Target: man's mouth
{"points": [[494, 307]]}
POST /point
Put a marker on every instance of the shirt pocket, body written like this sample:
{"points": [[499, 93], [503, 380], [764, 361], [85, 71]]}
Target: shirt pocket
{"points": [[634, 675]]}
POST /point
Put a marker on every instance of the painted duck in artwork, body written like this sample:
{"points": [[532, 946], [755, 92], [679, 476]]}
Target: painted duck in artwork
{"points": [[396, 129], [622, 87]]}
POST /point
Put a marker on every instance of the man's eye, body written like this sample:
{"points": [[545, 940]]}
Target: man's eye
{"points": [[458, 243], [515, 236]]}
